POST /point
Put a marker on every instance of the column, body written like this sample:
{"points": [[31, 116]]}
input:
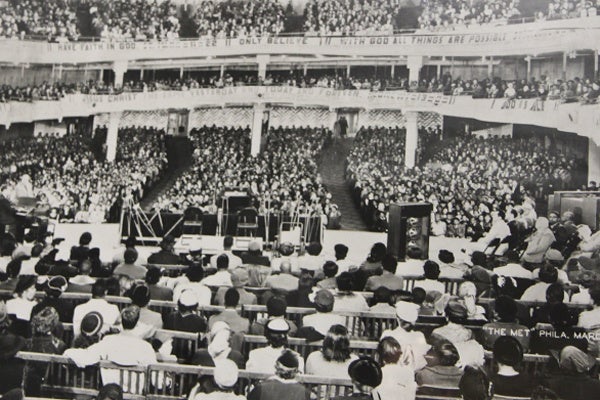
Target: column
{"points": [[528, 59], [439, 71], [412, 134], [257, 122], [181, 73], [490, 67], [222, 72], [596, 63], [593, 161], [564, 66], [262, 60], [393, 71], [119, 68], [142, 74], [414, 64], [347, 71], [112, 136]]}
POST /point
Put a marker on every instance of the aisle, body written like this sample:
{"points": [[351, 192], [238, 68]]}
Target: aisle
{"points": [[331, 167]]}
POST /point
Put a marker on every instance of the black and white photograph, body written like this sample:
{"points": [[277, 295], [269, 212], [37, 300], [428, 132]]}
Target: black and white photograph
{"points": [[299, 199]]}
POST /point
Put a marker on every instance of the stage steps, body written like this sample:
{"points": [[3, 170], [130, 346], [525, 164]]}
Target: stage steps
{"points": [[162, 186], [331, 167]]}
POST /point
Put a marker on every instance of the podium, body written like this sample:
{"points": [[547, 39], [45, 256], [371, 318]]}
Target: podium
{"points": [[409, 229]]}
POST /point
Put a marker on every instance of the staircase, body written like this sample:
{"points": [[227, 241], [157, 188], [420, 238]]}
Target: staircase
{"points": [[331, 167], [179, 155]]}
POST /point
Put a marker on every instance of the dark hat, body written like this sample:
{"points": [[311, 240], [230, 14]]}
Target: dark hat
{"points": [[479, 258], [140, 296], [324, 298], [25, 282], [445, 256], [92, 323], [57, 284], [167, 241], [365, 371], [288, 359], [456, 309]]}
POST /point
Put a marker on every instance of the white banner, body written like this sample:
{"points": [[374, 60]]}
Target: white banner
{"points": [[574, 117]]}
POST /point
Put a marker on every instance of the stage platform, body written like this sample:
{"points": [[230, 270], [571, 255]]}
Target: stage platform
{"points": [[107, 236]]}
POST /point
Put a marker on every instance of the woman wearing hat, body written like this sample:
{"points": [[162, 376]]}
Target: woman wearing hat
{"points": [[225, 377], [91, 331], [43, 326]]}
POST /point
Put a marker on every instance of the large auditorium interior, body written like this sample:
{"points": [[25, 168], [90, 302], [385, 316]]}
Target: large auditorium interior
{"points": [[299, 199]]}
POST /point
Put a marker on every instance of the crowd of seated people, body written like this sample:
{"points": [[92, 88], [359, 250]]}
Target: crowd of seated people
{"points": [[239, 19], [439, 338], [446, 15], [54, 19], [138, 19], [566, 9], [465, 178], [73, 185], [350, 17], [284, 176], [585, 90]]}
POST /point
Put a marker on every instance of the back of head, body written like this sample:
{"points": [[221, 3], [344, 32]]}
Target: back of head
{"points": [[508, 351], [232, 298], [365, 373], [195, 273], [285, 267], [152, 275], [223, 261], [475, 384], [330, 269], [305, 282], [324, 301], [479, 258], [130, 316], [13, 269], [140, 296], [130, 256], [447, 354], [341, 251], [286, 366], [276, 306], [36, 251], [314, 248], [227, 242], [44, 322], [286, 249], [110, 391], [389, 263], [85, 239], [561, 317], [99, 288], [512, 256], [548, 274], [336, 344], [389, 351], [345, 281], [382, 295], [555, 293], [378, 251], [506, 308], [431, 270]]}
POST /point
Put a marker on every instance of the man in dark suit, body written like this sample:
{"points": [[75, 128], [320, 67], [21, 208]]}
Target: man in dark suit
{"points": [[166, 255]]}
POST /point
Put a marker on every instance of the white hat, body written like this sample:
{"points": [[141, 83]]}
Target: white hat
{"points": [[406, 311], [226, 373], [188, 298]]}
